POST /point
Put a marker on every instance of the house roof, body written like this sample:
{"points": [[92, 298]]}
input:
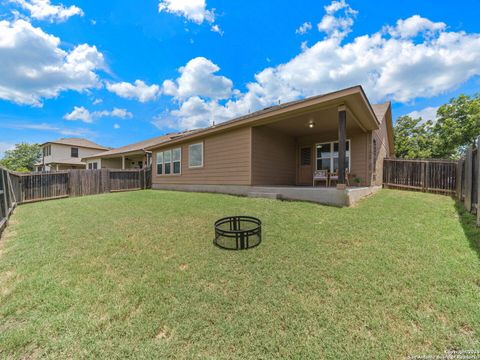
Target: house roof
{"points": [[347, 95], [380, 110], [70, 161], [384, 113], [77, 142], [139, 146]]}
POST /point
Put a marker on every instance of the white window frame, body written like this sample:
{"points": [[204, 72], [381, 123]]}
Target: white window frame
{"points": [[202, 152], [171, 162], [332, 162]]}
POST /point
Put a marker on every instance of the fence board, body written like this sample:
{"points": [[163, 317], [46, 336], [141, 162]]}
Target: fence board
{"points": [[8, 198], [30, 187], [476, 179], [468, 179], [436, 176]]}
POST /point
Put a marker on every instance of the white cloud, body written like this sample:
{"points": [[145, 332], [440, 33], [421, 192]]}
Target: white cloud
{"points": [[415, 25], [216, 28], [116, 112], [420, 61], [116, 126], [334, 25], [193, 10], [82, 114], [335, 6], [198, 79], [304, 28], [44, 10], [79, 113], [428, 113], [97, 101], [139, 90], [34, 67], [51, 128]]}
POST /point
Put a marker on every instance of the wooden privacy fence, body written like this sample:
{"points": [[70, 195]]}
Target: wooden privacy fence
{"points": [[8, 199], [436, 176], [468, 185], [30, 187]]}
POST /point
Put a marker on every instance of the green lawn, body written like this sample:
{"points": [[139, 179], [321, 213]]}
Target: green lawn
{"points": [[136, 275]]}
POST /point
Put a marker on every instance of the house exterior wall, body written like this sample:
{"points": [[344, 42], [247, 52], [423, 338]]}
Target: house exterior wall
{"points": [[358, 152], [273, 157], [63, 152], [226, 160], [131, 162], [260, 156], [381, 152]]}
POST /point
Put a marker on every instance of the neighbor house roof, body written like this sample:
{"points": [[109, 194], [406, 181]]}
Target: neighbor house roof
{"points": [[345, 94], [70, 161], [137, 147], [77, 142]]}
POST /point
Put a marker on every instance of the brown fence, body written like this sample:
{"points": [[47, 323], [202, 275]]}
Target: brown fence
{"points": [[30, 187], [436, 176], [8, 199], [468, 187]]}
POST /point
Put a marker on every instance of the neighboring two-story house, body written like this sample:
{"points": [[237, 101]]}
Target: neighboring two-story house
{"points": [[67, 153]]}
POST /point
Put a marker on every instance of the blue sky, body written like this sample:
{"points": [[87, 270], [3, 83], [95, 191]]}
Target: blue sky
{"points": [[117, 72]]}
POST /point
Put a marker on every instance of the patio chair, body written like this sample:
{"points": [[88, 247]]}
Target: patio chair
{"points": [[334, 176], [321, 175]]}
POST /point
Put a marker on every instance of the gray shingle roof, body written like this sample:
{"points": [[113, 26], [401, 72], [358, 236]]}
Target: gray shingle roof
{"points": [[77, 142]]}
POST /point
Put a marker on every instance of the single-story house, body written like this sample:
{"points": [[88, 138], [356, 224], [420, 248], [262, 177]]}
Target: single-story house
{"points": [[67, 153], [276, 151], [133, 156]]}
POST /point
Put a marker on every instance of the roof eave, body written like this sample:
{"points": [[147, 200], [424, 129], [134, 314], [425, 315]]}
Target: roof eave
{"points": [[333, 98]]}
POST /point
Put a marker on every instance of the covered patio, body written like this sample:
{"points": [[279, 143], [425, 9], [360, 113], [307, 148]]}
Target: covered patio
{"points": [[332, 140]]}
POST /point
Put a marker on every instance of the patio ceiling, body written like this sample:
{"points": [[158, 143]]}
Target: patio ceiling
{"points": [[325, 120]]}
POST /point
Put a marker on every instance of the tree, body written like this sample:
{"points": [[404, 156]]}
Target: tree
{"points": [[413, 138], [22, 157], [457, 126]]}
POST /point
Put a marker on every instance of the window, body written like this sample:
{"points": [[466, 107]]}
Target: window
{"points": [[74, 152], [327, 156], [169, 162], [47, 150], [93, 166], [195, 155], [305, 156], [176, 160]]}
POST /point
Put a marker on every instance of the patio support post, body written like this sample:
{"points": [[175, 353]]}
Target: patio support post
{"points": [[123, 162], [342, 144]]}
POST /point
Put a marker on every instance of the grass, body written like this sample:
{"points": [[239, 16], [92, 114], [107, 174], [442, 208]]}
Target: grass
{"points": [[136, 275]]}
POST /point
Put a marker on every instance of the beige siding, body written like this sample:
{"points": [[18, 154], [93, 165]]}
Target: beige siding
{"points": [[358, 152], [273, 157], [62, 153], [381, 138], [227, 160]]}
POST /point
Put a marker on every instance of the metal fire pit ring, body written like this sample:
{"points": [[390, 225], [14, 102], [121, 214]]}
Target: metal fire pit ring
{"points": [[238, 232]]}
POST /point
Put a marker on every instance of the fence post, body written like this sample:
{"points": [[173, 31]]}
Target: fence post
{"points": [[478, 181], [468, 179], [459, 179], [427, 176], [4, 187]]}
